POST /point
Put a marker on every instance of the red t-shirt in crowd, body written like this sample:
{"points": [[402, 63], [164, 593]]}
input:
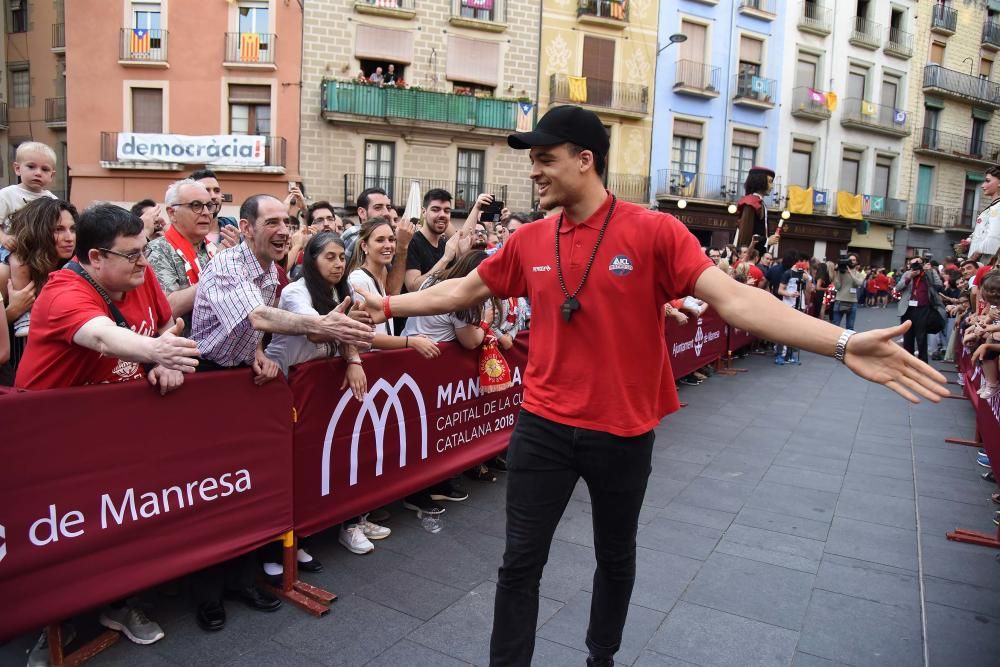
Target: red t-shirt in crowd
{"points": [[980, 274], [882, 282], [606, 369], [51, 358], [756, 275]]}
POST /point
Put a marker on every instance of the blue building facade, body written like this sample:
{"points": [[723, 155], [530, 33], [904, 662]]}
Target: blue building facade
{"points": [[716, 107]]}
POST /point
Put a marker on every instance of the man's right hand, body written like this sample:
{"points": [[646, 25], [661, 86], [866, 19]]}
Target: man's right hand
{"points": [[175, 353], [371, 304], [229, 237], [337, 326]]}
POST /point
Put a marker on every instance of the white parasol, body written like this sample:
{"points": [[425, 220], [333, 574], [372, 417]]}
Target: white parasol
{"points": [[413, 203]]}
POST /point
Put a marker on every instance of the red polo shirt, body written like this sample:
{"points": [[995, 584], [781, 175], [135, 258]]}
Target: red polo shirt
{"points": [[607, 369]]}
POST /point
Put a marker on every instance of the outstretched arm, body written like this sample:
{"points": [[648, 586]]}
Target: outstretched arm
{"points": [[872, 354], [445, 297]]}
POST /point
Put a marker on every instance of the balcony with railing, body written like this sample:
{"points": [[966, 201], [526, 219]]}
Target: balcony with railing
{"points": [[815, 18], [158, 157], [761, 9], [489, 15], [250, 50], [937, 217], [677, 184], [944, 19], [888, 210], [991, 36], [400, 9], [697, 79], [866, 33], [754, 91], [962, 86], [958, 147], [621, 99], [3, 116], [630, 187], [809, 103], [899, 43], [55, 112], [880, 118], [396, 188], [139, 47], [59, 37], [608, 13], [350, 102]]}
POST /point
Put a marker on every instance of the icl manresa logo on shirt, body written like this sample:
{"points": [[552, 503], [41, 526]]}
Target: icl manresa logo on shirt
{"points": [[621, 265]]}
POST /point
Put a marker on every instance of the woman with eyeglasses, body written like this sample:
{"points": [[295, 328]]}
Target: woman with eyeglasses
{"points": [[44, 239]]}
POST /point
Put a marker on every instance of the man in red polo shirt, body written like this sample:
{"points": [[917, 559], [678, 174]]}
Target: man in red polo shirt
{"points": [[598, 378]]}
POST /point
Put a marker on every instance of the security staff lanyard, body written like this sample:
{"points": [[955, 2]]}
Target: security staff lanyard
{"points": [[571, 303]]}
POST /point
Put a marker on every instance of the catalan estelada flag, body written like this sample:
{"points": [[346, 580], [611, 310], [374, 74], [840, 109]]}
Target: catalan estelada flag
{"points": [[618, 9], [524, 116], [249, 47], [138, 41]]}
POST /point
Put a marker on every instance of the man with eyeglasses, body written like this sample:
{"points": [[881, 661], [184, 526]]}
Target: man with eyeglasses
{"points": [[180, 255], [714, 255], [75, 339], [208, 179]]}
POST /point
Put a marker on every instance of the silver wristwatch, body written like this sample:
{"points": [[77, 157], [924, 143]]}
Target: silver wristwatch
{"points": [[841, 350]]}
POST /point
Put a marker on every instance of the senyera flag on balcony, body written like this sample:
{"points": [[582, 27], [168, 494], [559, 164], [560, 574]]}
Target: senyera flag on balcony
{"points": [[478, 4], [218, 149]]}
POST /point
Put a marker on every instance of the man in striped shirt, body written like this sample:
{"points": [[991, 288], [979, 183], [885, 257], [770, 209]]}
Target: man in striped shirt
{"points": [[233, 308]]}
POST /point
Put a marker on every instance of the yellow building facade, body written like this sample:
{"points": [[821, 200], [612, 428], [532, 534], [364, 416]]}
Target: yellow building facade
{"points": [[601, 54]]}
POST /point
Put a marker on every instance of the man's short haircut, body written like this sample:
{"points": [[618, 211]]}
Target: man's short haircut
{"points": [[436, 194], [173, 195], [599, 160], [199, 174], [140, 207], [26, 148], [753, 255], [251, 205], [317, 206], [974, 263], [523, 218], [100, 225], [364, 199]]}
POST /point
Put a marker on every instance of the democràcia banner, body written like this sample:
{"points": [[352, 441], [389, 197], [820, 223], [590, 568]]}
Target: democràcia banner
{"points": [[111, 489], [421, 421], [222, 149]]}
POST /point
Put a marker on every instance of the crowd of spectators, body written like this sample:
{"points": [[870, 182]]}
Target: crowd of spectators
{"points": [[170, 287]]}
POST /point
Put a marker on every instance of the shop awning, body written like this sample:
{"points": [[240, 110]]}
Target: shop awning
{"points": [[879, 237]]}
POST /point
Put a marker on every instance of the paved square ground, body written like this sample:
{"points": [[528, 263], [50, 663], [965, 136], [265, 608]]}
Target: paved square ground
{"points": [[795, 516]]}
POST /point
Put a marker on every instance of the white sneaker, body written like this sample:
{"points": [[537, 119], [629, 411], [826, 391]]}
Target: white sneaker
{"points": [[21, 325], [988, 390], [373, 531], [132, 622], [354, 540]]}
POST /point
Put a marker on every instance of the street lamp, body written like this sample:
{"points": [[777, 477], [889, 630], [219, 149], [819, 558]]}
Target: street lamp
{"points": [[675, 38]]}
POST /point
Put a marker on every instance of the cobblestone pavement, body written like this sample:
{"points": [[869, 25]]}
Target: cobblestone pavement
{"points": [[795, 515]]}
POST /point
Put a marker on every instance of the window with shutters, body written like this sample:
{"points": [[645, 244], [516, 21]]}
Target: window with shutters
{"points": [[20, 87], [970, 201], [884, 165], [147, 110], [380, 158], [743, 156], [599, 69], [18, 16], [686, 150], [850, 170], [937, 53], [890, 91], [985, 68], [977, 147], [146, 16], [473, 61], [800, 165], [857, 83], [806, 70], [249, 109], [470, 176], [751, 56]]}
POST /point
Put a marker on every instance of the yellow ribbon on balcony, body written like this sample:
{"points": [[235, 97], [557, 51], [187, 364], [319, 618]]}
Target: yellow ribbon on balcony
{"points": [[868, 108], [577, 89], [831, 102], [800, 200], [849, 205]]}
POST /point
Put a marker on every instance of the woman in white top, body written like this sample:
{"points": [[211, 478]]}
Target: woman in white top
{"points": [[369, 270], [322, 288]]}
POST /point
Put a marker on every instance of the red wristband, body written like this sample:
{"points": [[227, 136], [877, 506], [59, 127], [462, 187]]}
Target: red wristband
{"points": [[385, 308], [354, 362]]}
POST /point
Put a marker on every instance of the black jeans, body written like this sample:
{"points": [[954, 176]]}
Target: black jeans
{"points": [[918, 330], [544, 462]]}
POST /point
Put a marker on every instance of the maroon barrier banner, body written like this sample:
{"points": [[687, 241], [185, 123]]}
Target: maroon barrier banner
{"points": [[987, 410], [110, 489], [423, 420], [698, 343], [738, 338]]}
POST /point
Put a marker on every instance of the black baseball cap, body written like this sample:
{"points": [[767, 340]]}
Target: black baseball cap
{"points": [[565, 124]]}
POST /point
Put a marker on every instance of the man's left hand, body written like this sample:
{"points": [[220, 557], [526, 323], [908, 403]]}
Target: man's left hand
{"points": [[404, 233], [166, 379], [264, 369], [875, 356]]}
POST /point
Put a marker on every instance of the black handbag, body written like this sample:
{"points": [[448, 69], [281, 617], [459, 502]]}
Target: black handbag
{"points": [[934, 323]]}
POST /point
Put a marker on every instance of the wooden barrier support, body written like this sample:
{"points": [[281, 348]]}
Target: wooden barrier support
{"points": [[81, 655], [975, 537], [311, 598]]}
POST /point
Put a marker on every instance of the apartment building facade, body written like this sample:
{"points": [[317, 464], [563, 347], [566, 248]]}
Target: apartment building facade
{"points": [[600, 54], [847, 80], [718, 102], [158, 88], [464, 76], [955, 88], [33, 102]]}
